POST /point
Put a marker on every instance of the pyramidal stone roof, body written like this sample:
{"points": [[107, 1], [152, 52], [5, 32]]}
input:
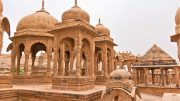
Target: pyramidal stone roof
{"points": [[156, 56]]}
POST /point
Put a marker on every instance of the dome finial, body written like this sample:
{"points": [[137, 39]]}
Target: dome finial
{"points": [[75, 3], [99, 21], [42, 5]]}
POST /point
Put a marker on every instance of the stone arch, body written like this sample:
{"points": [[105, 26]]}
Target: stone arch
{"points": [[19, 52], [5, 25], [66, 51], [85, 54], [35, 48], [126, 67], [87, 40], [97, 59]]}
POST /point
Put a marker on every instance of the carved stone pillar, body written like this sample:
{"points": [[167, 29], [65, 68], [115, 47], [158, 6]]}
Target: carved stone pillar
{"points": [[78, 64], [55, 70], [146, 79], [135, 75], [49, 55], [104, 61], [91, 65], [13, 62], [177, 77], [18, 64], [62, 61], [162, 76], [26, 69], [95, 64], [138, 75], [152, 71], [71, 62], [33, 60], [166, 73]]}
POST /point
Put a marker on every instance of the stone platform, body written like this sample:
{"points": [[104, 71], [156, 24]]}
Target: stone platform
{"points": [[158, 90], [31, 79], [5, 81], [37, 92], [72, 83]]}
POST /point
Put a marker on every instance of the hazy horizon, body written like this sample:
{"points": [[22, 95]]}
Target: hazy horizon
{"points": [[135, 25]]}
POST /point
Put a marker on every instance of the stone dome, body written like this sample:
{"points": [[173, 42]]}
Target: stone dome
{"points": [[177, 17], [1, 7], [102, 29], [120, 74], [75, 13], [38, 20]]}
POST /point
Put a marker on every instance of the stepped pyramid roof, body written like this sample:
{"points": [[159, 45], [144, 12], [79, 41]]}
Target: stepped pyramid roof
{"points": [[157, 56]]}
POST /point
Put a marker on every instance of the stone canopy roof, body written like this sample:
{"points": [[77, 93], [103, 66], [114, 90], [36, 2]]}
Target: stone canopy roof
{"points": [[156, 56]]}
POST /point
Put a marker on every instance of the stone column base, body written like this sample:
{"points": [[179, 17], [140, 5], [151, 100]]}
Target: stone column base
{"points": [[72, 83]]}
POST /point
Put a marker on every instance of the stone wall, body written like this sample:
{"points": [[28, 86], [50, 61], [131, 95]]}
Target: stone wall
{"points": [[29, 95], [159, 91]]}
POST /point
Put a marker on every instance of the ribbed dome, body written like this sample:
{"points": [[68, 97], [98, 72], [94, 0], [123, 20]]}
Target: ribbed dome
{"points": [[102, 29], [1, 7], [177, 18], [75, 13], [120, 74], [39, 20]]}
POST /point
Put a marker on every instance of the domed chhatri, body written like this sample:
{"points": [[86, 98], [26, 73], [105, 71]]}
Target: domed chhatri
{"points": [[75, 13], [120, 74], [121, 78], [102, 29], [38, 20]]}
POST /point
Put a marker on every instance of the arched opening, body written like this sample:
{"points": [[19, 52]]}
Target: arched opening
{"points": [[67, 63], [99, 61], [83, 64], [66, 56], [39, 59], [98, 68], [85, 57], [20, 54], [116, 98], [125, 67], [5, 26]]}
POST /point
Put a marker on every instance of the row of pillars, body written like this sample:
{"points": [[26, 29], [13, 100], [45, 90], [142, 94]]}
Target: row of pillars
{"points": [[15, 68], [142, 76], [60, 70]]}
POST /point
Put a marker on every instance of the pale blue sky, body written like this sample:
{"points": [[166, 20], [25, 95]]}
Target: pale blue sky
{"points": [[135, 24]]}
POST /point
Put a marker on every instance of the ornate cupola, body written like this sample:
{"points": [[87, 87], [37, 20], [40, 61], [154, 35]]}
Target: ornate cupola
{"points": [[102, 29], [39, 20], [75, 13]]}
